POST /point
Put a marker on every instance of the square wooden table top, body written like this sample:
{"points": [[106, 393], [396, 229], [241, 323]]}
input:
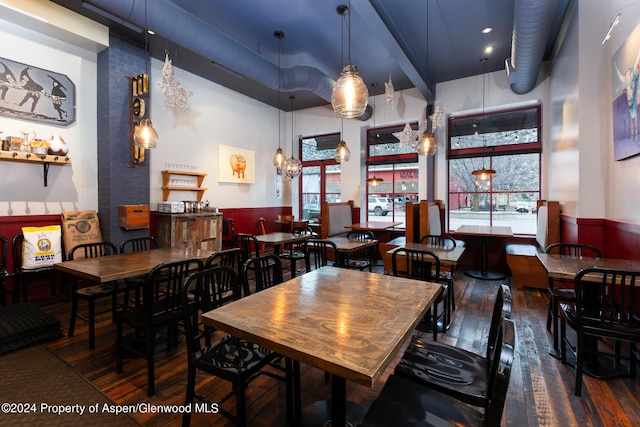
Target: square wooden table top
{"points": [[485, 230], [448, 256], [278, 238], [566, 267], [372, 225], [122, 266], [346, 322], [346, 245]]}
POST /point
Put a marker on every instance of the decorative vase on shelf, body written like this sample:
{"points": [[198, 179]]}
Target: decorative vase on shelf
{"points": [[58, 146]]}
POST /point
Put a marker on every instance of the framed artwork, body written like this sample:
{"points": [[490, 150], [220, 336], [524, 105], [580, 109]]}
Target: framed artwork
{"points": [[36, 94], [625, 79], [236, 165]]}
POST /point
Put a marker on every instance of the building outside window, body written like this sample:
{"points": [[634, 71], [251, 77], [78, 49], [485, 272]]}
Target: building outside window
{"points": [[321, 178], [509, 143]]}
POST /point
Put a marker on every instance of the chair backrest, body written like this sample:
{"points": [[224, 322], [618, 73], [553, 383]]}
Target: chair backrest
{"points": [[16, 251], [321, 251], [228, 228], [92, 250], [438, 241], [4, 245], [299, 224], [138, 244], [547, 223], [249, 245], [501, 310], [232, 258], [500, 373], [419, 264], [607, 297], [574, 249], [162, 289], [267, 272], [334, 217], [204, 291], [361, 235]]}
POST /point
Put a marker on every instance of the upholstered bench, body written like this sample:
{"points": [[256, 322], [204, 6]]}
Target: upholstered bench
{"points": [[526, 269]]}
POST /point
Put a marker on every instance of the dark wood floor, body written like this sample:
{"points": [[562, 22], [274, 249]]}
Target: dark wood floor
{"points": [[540, 392]]}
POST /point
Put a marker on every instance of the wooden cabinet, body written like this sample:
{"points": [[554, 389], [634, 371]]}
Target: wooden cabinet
{"points": [[197, 230]]}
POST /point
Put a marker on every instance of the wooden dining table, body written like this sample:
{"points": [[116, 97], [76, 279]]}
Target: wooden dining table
{"points": [[373, 225], [125, 266], [348, 323], [278, 238], [566, 267], [484, 232], [348, 246]]}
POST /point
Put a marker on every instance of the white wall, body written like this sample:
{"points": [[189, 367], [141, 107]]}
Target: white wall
{"points": [[22, 190]]}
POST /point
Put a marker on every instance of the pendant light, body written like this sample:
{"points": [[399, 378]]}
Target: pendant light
{"points": [[483, 174], [427, 146], [279, 157], [374, 181], [293, 166], [342, 151], [145, 136], [349, 97]]}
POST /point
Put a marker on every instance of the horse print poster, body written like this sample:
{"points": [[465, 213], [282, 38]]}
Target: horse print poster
{"points": [[32, 93], [625, 76]]}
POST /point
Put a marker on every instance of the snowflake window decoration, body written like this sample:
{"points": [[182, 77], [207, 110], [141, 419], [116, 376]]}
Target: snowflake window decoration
{"points": [[170, 85]]}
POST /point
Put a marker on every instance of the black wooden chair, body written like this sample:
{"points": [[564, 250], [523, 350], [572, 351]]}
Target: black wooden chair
{"points": [[5, 275], [267, 272], [229, 358], [249, 245], [93, 291], [234, 259], [403, 402], [562, 291], [363, 259], [160, 308], [319, 253], [137, 244], [21, 275], [423, 265], [454, 371], [447, 274], [606, 306], [294, 252], [228, 233]]}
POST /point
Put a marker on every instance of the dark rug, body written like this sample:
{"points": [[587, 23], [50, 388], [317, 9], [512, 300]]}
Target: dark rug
{"points": [[23, 325], [35, 385]]}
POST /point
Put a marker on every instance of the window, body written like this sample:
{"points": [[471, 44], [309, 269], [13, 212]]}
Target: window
{"points": [[508, 142], [320, 178], [397, 166]]}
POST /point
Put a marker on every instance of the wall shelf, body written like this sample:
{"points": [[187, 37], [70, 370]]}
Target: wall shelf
{"points": [[167, 189], [45, 160]]}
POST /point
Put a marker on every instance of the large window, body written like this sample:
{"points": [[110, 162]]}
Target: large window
{"points": [[397, 168], [509, 143], [320, 178]]}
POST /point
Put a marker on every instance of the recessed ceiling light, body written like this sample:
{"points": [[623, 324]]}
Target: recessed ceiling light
{"points": [[487, 30], [488, 50]]}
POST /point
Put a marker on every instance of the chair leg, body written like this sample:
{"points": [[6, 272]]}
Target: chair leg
{"points": [[74, 314], [191, 391], [92, 324], [241, 409], [579, 361], [119, 344], [151, 390], [17, 284]]}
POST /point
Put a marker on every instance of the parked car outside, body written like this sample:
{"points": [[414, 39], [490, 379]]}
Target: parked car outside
{"points": [[379, 205], [522, 207]]}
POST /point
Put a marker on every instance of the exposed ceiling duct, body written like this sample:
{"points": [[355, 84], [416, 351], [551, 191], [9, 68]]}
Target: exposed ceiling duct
{"points": [[532, 20], [175, 24]]}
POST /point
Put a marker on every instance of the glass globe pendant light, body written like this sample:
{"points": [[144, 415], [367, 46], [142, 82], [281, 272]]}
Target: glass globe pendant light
{"points": [[279, 157], [349, 96], [292, 167], [343, 154], [145, 136]]}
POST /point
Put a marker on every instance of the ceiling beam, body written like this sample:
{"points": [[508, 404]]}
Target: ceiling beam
{"points": [[377, 19]]}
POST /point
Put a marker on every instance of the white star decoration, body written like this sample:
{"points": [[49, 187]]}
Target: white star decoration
{"points": [[390, 93], [436, 118], [407, 137], [170, 85]]}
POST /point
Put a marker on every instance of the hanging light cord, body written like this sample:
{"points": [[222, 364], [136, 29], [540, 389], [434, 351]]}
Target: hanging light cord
{"points": [[293, 115], [349, 34]]}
